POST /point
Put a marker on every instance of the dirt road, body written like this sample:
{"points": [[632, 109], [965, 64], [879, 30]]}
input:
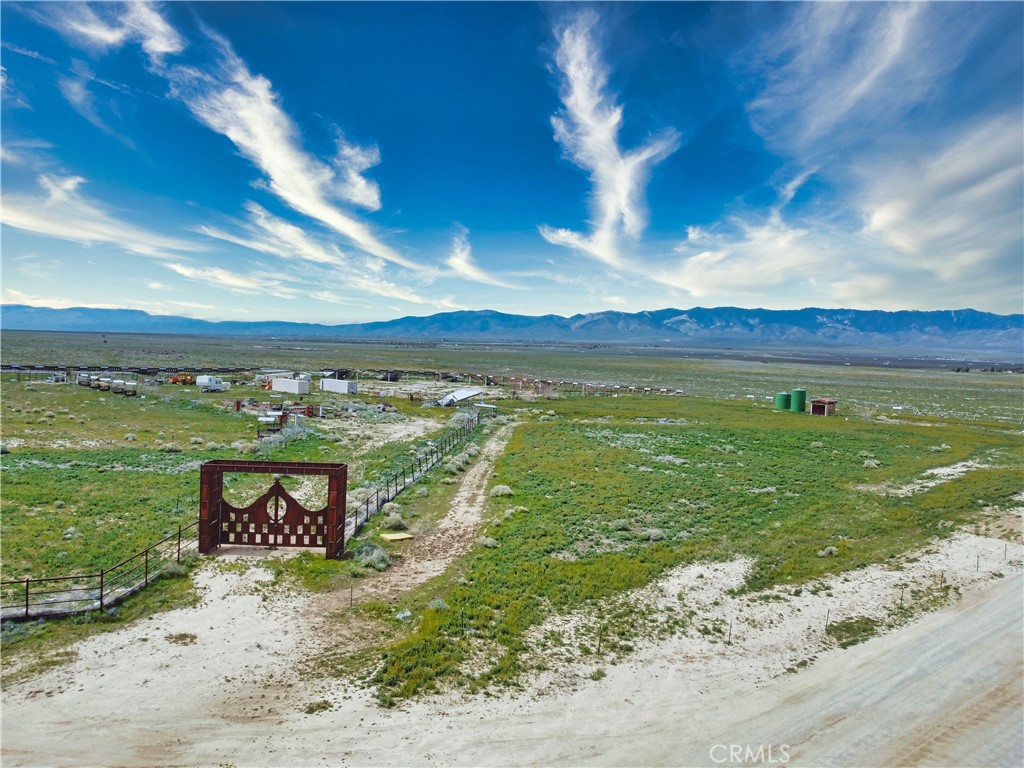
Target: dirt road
{"points": [[943, 691]]}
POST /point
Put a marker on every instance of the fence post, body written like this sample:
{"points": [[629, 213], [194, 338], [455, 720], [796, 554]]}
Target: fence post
{"points": [[26, 597], [146, 580], [179, 545], [101, 590]]}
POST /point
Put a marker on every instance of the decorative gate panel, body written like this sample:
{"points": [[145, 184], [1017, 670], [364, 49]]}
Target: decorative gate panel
{"points": [[275, 519]]}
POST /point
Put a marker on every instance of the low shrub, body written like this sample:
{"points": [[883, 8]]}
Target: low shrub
{"points": [[371, 555], [395, 522]]}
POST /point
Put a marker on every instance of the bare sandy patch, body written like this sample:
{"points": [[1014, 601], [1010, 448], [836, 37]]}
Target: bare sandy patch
{"points": [[929, 479]]}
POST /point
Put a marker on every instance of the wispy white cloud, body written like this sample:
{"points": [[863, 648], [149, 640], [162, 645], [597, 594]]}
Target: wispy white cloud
{"points": [[13, 296], [955, 213], [103, 26], [752, 258], [156, 285], [75, 91], [38, 268], [244, 107], [460, 261], [271, 235], [838, 76], [587, 128], [253, 283], [12, 96], [350, 162], [26, 52], [63, 212]]}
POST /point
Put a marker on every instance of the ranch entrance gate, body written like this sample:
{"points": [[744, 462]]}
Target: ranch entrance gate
{"points": [[275, 519]]}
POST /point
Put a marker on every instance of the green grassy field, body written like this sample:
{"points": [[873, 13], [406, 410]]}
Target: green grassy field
{"points": [[607, 492], [607, 496]]}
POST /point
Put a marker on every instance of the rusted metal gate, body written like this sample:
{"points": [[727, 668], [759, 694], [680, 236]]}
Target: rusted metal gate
{"points": [[275, 519]]}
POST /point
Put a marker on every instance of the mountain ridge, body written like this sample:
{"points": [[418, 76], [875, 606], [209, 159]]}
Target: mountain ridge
{"points": [[935, 331]]}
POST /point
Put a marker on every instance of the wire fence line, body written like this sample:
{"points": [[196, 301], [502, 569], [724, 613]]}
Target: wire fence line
{"points": [[62, 596], [67, 595], [398, 481]]}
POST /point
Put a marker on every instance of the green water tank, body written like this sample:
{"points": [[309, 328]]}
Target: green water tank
{"points": [[782, 401], [798, 400]]}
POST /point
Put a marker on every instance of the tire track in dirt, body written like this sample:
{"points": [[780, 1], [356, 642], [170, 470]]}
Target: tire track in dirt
{"points": [[430, 555]]}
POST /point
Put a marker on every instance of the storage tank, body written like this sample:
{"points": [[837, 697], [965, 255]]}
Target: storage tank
{"points": [[798, 400], [782, 401]]}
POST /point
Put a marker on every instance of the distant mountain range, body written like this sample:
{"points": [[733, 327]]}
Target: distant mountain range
{"points": [[961, 331]]}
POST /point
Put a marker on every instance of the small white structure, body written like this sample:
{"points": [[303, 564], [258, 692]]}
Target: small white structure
{"points": [[267, 374], [292, 386], [341, 386], [211, 384], [460, 395]]}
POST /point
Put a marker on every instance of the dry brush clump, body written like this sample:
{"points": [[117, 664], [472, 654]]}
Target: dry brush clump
{"points": [[370, 555]]}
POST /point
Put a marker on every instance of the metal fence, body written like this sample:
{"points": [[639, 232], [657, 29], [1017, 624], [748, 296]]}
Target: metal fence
{"points": [[67, 595], [401, 479]]}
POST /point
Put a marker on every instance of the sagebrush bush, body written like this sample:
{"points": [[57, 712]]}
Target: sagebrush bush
{"points": [[372, 556], [501, 490], [395, 522]]}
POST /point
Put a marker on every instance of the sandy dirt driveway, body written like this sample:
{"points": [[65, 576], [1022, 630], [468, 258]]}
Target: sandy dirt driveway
{"points": [[943, 691]]}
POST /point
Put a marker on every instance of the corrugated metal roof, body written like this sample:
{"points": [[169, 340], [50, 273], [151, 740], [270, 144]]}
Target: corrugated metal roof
{"points": [[459, 395]]}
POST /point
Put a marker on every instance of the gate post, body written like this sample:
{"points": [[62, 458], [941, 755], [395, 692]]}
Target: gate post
{"points": [[210, 490]]}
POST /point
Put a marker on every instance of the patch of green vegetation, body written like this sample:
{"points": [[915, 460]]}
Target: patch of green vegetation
{"points": [[729, 479], [317, 706], [310, 570], [852, 631]]}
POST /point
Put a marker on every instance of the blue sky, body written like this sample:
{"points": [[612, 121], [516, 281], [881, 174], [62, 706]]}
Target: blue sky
{"points": [[351, 162]]}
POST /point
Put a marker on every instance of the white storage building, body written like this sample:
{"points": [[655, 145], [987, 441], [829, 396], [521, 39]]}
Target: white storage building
{"points": [[292, 386], [341, 386]]}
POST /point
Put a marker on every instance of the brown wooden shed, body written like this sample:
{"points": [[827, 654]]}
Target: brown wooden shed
{"points": [[823, 406]]}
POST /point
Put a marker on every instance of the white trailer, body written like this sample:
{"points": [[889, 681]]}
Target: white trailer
{"points": [[341, 386], [211, 384], [292, 386]]}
